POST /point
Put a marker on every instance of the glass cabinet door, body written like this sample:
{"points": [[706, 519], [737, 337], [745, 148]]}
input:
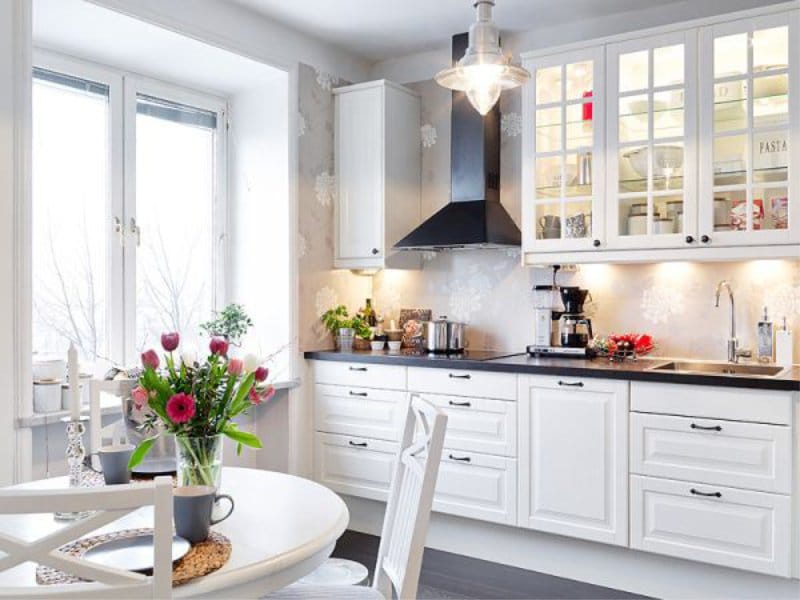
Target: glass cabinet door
{"points": [[750, 112], [651, 137], [563, 153]]}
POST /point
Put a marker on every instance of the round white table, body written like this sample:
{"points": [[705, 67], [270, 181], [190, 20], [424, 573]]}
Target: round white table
{"points": [[283, 527]]}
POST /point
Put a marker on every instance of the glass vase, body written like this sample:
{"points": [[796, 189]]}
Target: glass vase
{"points": [[199, 460]]}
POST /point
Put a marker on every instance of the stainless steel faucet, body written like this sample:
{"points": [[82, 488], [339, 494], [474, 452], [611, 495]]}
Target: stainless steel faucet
{"points": [[733, 344]]}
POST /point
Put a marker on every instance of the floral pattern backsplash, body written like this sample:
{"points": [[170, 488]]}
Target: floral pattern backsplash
{"points": [[488, 289]]}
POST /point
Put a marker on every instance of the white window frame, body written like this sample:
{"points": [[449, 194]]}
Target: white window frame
{"points": [[121, 208]]}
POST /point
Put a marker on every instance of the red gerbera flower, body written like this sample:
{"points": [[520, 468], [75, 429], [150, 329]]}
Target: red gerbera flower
{"points": [[180, 408]]}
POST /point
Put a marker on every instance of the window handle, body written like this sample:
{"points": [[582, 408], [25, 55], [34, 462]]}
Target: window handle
{"points": [[119, 230], [137, 231]]}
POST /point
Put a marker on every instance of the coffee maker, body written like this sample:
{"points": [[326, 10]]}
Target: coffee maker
{"points": [[574, 329], [561, 328]]}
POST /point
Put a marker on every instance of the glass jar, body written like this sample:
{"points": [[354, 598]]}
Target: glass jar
{"points": [[199, 460]]}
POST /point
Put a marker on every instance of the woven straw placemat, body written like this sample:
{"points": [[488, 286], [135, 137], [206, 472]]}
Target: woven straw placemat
{"points": [[203, 558]]}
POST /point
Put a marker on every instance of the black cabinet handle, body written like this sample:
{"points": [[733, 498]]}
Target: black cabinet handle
{"points": [[452, 403], [706, 494], [689, 239], [362, 369], [596, 243], [460, 458], [570, 384], [360, 394], [375, 251], [706, 427], [467, 376], [705, 239], [357, 444]]}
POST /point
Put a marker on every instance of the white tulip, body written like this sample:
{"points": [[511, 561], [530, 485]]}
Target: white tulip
{"points": [[189, 356], [251, 362]]}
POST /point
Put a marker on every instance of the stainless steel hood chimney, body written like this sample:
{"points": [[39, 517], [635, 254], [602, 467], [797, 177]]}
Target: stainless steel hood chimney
{"points": [[474, 218]]}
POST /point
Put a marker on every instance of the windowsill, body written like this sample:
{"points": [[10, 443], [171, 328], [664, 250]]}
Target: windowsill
{"points": [[110, 406]]}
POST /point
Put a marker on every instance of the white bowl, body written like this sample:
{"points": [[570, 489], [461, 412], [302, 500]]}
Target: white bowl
{"points": [[665, 159], [377, 345], [395, 346]]}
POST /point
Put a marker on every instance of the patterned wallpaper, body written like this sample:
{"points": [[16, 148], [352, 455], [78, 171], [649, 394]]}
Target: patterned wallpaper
{"points": [[488, 289]]}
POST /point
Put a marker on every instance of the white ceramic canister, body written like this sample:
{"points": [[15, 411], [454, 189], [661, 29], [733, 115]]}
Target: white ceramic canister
{"points": [[47, 397], [637, 225]]}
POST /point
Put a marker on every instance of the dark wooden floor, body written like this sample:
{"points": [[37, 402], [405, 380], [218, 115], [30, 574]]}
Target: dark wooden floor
{"points": [[451, 576]]}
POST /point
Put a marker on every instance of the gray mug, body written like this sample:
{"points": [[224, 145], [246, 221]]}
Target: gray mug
{"points": [[193, 506], [114, 462]]}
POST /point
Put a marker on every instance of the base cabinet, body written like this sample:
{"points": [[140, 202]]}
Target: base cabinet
{"points": [[724, 526], [574, 457]]}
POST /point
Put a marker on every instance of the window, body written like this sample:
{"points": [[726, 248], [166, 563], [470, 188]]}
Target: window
{"points": [[128, 211]]}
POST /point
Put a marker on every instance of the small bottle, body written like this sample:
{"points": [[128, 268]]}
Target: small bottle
{"points": [[369, 314], [766, 339], [783, 346]]}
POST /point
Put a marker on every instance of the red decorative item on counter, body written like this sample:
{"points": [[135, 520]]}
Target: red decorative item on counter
{"points": [[625, 343], [587, 107]]}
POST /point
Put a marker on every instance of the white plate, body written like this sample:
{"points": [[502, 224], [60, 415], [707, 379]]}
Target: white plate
{"points": [[133, 553], [337, 571]]}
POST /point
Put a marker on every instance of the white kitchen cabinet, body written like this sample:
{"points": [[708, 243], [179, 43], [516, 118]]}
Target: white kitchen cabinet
{"points": [[750, 119], [378, 162], [714, 451], [573, 461], [364, 412], [463, 382], [563, 158], [354, 465], [359, 374], [720, 525], [652, 114]]}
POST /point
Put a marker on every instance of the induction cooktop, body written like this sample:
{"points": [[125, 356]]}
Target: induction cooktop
{"points": [[479, 355]]}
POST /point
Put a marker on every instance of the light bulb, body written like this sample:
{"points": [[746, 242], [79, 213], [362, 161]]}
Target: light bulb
{"points": [[484, 98], [483, 85]]}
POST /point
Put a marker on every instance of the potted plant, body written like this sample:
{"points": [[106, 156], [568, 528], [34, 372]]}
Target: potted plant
{"points": [[347, 331], [363, 333], [231, 323], [197, 402]]}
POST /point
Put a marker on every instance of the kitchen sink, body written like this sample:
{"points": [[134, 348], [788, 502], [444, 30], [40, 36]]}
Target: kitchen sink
{"points": [[717, 368]]}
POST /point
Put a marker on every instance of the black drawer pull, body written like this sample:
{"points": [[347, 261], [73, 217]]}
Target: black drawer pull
{"points": [[467, 376], [706, 427], [362, 369], [357, 444], [453, 403], [570, 384], [460, 458], [706, 494], [360, 394]]}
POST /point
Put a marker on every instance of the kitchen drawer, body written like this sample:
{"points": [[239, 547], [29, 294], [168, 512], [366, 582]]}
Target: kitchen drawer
{"points": [[579, 384], [364, 412], [479, 424], [354, 465], [389, 377], [742, 455], [736, 404], [739, 529], [477, 486], [460, 382]]}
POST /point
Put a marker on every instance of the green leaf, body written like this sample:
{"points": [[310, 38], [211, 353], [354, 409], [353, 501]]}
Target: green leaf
{"points": [[240, 401], [239, 449], [242, 437], [141, 451]]}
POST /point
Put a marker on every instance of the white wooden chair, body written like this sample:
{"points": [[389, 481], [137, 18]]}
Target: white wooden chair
{"points": [[408, 510], [106, 505]]}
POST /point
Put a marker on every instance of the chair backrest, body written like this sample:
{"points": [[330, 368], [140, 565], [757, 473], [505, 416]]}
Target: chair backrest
{"points": [[408, 510], [106, 505]]}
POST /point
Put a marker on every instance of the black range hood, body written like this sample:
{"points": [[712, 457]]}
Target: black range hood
{"points": [[474, 218]]}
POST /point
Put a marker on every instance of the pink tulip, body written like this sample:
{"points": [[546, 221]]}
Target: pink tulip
{"points": [[253, 396], [140, 397], [267, 394], [150, 359], [218, 346], [170, 341], [181, 408], [235, 366], [261, 374]]}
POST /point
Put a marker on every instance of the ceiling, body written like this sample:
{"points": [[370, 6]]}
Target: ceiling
{"points": [[380, 29]]}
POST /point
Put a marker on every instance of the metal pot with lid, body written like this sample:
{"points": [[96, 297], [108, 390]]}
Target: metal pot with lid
{"points": [[442, 335]]}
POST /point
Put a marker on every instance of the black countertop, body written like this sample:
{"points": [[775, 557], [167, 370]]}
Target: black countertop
{"points": [[499, 362]]}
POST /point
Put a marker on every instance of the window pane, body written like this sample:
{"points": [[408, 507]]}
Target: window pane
{"points": [[174, 207], [70, 218]]}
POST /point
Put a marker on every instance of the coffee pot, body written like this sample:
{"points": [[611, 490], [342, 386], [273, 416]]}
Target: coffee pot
{"points": [[575, 330]]}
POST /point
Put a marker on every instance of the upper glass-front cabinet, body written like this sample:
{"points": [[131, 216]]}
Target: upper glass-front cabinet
{"points": [[651, 142], [563, 164], [750, 116]]}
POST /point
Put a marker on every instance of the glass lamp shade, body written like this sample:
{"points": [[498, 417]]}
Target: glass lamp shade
{"points": [[482, 82]]}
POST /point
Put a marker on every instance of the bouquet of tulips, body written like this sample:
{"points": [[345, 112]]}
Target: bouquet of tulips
{"points": [[196, 400]]}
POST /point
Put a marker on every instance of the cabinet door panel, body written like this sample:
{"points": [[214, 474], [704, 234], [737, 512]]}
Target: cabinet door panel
{"points": [[743, 530], [353, 465], [573, 458], [478, 424], [364, 412], [359, 205]]}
